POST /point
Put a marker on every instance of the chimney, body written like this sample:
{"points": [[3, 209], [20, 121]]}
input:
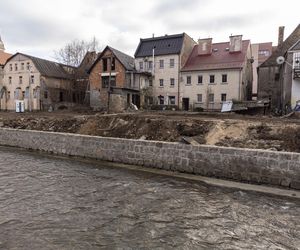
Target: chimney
{"points": [[280, 35], [205, 46], [235, 43]]}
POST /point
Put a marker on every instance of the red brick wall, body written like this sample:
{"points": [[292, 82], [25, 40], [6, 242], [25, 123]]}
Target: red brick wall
{"points": [[96, 81]]}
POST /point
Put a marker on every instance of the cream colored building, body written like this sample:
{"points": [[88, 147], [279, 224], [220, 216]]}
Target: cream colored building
{"points": [[217, 72], [158, 61], [39, 83]]}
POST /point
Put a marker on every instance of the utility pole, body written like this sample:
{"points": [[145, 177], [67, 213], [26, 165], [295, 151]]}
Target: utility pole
{"points": [[29, 93], [109, 84]]}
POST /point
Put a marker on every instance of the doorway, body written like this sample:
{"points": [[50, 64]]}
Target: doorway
{"points": [[185, 104]]}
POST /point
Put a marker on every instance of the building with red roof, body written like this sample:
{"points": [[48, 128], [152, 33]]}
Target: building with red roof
{"points": [[217, 72]]}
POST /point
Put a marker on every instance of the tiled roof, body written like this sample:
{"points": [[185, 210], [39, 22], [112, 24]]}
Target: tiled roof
{"points": [[283, 48], [48, 68], [3, 57], [164, 45], [220, 58], [296, 46]]}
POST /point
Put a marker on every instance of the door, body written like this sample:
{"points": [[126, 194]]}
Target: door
{"points": [[185, 104]]}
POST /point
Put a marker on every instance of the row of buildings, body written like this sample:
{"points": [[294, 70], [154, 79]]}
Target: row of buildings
{"points": [[171, 70]]}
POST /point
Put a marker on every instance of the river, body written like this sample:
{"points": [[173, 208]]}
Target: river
{"points": [[49, 202]]}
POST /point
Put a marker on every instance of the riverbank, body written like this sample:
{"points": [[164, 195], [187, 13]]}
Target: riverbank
{"points": [[244, 165], [229, 130]]}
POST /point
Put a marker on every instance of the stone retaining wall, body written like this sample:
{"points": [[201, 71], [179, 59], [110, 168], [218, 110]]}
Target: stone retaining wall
{"points": [[256, 166]]}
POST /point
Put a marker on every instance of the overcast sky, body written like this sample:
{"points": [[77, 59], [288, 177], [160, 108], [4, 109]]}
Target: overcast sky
{"points": [[39, 27]]}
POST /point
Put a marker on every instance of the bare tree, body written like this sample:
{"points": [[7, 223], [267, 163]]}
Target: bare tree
{"points": [[73, 52]]}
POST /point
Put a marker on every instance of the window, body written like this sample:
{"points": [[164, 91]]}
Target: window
{"points": [[10, 67], [28, 66], [189, 80], [113, 64], [45, 94], [26, 94], [264, 52], [105, 81], [211, 97], [8, 95], [223, 97], [161, 82], [150, 83], [172, 63], [199, 97], [161, 64], [172, 82], [150, 65], [20, 79], [212, 79], [161, 100], [141, 65], [16, 67], [32, 79], [172, 100], [104, 64], [22, 66], [61, 96], [9, 80], [200, 79], [224, 78]]}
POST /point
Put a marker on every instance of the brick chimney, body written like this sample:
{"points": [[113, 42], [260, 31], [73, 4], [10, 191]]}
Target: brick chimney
{"points": [[235, 43], [280, 35], [205, 46]]}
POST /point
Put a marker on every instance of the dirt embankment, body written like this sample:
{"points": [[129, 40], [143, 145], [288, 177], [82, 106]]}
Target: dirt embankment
{"points": [[274, 134]]}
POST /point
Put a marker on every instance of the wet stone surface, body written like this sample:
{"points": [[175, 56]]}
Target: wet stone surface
{"points": [[55, 203]]}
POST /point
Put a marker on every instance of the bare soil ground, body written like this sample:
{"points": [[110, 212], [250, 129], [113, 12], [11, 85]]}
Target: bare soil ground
{"points": [[206, 128]]}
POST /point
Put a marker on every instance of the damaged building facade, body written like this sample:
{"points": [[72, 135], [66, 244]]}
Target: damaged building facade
{"points": [[40, 83], [112, 81], [217, 72], [158, 61], [274, 79]]}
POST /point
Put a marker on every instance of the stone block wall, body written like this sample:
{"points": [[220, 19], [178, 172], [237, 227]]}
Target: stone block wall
{"points": [[247, 165]]}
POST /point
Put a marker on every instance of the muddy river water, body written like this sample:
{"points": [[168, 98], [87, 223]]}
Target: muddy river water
{"points": [[48, 202]]}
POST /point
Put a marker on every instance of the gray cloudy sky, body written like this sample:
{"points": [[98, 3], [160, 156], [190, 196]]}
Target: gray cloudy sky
{"points": [[39, 27]]}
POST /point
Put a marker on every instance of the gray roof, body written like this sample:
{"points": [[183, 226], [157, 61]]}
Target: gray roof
{"points": [[126, 60], [48, 68], [164, 45], [296, 46]]}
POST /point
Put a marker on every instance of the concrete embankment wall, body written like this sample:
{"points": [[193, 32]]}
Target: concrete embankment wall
{"points": [[256, 166]]}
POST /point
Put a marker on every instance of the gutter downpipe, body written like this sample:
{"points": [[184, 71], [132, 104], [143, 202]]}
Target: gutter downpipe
{"points": [[179, 63], [240, 84]]}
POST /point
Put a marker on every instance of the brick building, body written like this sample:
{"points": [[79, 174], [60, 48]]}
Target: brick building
{"points": [[112, 81]]}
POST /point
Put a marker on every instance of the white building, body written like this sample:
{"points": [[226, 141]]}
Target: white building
{"points": [[158, 61], [295, 93]]}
